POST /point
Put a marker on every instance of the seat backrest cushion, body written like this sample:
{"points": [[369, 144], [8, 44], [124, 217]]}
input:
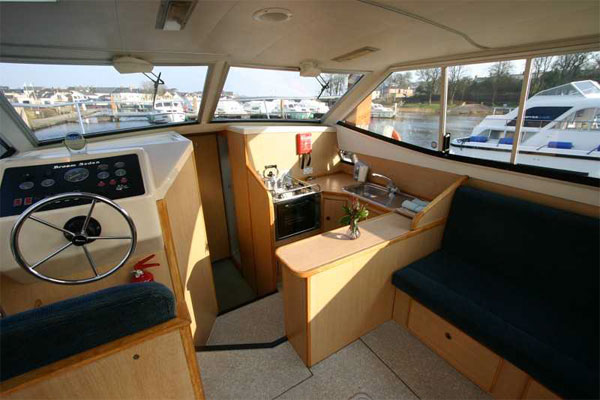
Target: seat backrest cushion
{"points": [[38, 337], [525, 241]]}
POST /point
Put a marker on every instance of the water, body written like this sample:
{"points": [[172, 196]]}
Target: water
{"points": [[421, 129], [59, 131]]}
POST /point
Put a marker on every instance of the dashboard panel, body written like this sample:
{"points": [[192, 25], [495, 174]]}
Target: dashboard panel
{"points": [[115, 177]]}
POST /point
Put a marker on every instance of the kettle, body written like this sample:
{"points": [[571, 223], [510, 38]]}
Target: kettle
{"points": [[270, 175]]}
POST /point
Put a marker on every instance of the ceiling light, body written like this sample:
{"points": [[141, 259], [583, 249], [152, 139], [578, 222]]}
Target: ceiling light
{"points": [[272, 15], [363, 51], [131, 65], [174, 14]]}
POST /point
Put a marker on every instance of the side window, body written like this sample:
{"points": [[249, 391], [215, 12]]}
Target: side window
{"points": [[405, 107], [538, 117]]}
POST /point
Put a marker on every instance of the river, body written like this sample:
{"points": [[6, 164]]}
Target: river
{"points": [[422, 129]]}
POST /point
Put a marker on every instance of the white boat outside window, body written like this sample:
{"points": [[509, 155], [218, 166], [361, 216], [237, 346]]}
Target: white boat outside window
{"points": [[268, 94], [568, 140], [54, 100]]}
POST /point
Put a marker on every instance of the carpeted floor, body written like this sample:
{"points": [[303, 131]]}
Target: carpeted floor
{"points": [[231, 287]]}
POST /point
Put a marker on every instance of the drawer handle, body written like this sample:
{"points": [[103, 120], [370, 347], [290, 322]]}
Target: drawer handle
{"points": [[448, 336], [328, 218]]}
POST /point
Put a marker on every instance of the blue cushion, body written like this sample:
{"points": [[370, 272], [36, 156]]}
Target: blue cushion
{"points": [[479, 139], [523, 279], [560, 145], [38, 337], [506, 140]]}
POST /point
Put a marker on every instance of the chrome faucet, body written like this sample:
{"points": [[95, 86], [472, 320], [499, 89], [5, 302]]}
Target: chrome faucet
{"points": [[391, 186]]}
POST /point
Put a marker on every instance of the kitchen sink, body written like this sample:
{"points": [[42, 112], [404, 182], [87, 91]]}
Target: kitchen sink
{"points": [[378, 194]]}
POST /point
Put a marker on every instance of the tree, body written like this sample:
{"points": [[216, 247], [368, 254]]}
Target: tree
{"points": [[541, 66], [455, 75], [499, 72], [429, 79], [570, 66], [338, 83]]}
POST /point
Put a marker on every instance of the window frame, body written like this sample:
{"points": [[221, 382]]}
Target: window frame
{"points": [[442, 150], [280, 121], [40, 143]]}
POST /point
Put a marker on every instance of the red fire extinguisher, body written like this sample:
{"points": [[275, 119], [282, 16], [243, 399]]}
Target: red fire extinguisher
{"points": [[139, 270]]}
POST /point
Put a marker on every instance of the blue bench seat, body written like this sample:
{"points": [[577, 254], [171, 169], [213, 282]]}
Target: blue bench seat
{"points": [[522, 279], [41, 336]]}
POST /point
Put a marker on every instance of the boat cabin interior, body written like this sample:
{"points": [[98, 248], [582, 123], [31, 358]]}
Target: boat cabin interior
{"points": [[353, 199]]}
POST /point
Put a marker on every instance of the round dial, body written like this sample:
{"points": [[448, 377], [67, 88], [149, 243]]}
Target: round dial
{"points": [[47, 182], [120, 172], [103, 175], [76, 175]]}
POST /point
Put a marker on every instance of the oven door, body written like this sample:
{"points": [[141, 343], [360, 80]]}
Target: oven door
{"points": [[297, 216]]}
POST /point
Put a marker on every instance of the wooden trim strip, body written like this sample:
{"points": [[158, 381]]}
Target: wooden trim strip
{"points": [[192, 361], [308, 320], [163, 215], [89, 356], [435, 202]]}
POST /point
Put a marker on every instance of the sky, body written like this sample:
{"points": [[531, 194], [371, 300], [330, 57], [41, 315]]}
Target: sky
{"points": [[242, 81]]}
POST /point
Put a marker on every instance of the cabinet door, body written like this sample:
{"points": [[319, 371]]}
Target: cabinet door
{"points": [[332, 212]]}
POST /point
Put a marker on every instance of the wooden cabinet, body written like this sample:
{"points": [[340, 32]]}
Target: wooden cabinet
{"points": [[332, 212], [468, 356]]}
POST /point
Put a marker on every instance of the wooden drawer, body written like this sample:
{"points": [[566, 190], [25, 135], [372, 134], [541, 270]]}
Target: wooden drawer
{"points": [[468, 356]]}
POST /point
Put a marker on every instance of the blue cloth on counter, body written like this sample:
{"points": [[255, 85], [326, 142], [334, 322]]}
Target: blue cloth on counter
{"points": [[523, 279], [41, 336], [420, 202], [412, 206]]}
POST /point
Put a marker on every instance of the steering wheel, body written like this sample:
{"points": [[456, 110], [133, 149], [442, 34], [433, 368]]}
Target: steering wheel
{"points": [[79, 231]]}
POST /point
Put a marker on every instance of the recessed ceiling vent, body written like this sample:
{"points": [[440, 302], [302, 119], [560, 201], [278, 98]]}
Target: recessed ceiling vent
{"points": [[363, 51], [174, 14], [272, 15]]}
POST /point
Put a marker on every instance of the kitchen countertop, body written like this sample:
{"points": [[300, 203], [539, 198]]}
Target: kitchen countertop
{"points": [[307, 257]]}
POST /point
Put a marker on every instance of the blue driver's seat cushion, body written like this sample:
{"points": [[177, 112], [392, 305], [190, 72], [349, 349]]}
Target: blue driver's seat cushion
{"points": [[41, 336], [522, 279]]}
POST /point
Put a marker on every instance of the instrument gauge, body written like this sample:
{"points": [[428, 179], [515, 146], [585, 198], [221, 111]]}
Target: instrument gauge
{"points": [[76, 175]]}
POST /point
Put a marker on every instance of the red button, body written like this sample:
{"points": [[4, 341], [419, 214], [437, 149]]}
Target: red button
{"points": [[101, 184], [123, 180], [112, 182], [28, 201], [17, 202]]}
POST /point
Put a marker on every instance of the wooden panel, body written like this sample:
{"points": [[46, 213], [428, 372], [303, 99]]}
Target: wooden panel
{"points": [[16, 297], [375, 211], [280, 148], [237, 159], [332, 212], [425, 183], [183, 225], [211, 191], [535, 391], [347, 301], [146, 370], [510, 382], [468, 356], [439, 207], [295, 311], [263, 237], [550, 201], [401, 307], [304, 261]]}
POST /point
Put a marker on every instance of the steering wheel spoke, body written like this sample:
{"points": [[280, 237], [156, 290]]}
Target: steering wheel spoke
{"points": [[51, 225], [87, 218], [37, 264], [79, 239], [90, 259]]}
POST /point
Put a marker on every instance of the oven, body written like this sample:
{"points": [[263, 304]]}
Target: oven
{"points": [[297, 215]]}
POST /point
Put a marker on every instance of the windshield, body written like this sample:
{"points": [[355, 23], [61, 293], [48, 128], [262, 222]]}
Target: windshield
{"points": [[267, 94], [53, 100]]}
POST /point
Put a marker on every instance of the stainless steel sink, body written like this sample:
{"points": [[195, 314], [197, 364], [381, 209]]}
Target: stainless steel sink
{"points": [[377, 194]]}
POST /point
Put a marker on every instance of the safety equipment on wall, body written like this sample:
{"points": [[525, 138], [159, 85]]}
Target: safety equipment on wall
{"points": [[139, 270]]}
